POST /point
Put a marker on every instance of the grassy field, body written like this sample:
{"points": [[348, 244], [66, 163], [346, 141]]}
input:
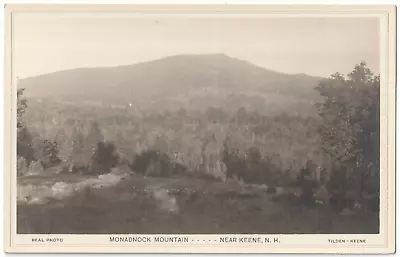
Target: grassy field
{"points": [[149, 205]]}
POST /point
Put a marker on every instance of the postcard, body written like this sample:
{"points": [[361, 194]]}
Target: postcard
{"points": [[199, 128]]}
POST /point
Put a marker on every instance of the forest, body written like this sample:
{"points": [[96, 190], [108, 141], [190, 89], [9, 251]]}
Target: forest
{"points": [[338, 149]]}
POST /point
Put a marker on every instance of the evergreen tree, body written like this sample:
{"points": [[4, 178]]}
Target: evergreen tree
{"points": [[24, 137], [104, 158], [25, 145], [77, 157], [64, 144], [350, 127], [94, 136]]}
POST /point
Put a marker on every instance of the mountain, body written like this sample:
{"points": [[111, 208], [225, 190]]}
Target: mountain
{"points": [[189, 81]]}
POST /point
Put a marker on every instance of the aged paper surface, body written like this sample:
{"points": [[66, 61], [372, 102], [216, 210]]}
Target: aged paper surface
{"points": [[199, 129]]}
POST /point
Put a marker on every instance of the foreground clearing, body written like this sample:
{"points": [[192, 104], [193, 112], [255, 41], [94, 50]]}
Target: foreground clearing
{"points": [[183, 206]]}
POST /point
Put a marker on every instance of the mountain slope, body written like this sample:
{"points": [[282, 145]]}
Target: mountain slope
{"points": [[189, 81]]}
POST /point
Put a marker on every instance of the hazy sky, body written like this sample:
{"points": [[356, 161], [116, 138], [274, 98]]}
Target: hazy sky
{"points": [[315, 46]]}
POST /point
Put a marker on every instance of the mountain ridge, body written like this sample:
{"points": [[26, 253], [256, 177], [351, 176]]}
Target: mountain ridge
{"points": [[217, 78]]}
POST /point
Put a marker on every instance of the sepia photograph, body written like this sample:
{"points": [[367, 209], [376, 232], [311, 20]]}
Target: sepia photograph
{"points": [[143, 123]]}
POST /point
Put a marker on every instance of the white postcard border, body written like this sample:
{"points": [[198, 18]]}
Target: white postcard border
{"points": [[382, 243]]}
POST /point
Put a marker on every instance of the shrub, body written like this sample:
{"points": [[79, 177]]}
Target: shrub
{"points": [[141, 161], [35, 168], [64, 168], [251, 169], [47, 153], [253, 155], [104, 158], [121, 169], [235, 165], [338, 182], [154, 169], [79, 168], [157, 164], [58, 169]]}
